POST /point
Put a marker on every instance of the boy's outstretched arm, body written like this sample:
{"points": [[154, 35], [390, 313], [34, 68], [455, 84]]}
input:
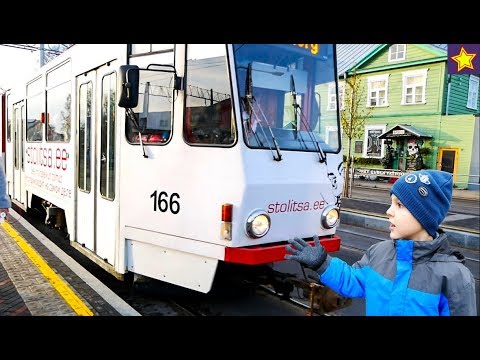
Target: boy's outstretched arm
{"points": [[333, 272]]}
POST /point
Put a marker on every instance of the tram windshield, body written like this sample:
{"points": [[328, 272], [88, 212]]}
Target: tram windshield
{"points": [[284, 91]]}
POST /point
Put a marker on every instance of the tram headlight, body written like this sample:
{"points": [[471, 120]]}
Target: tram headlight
{"points": [[258, 224], [330, 217]]}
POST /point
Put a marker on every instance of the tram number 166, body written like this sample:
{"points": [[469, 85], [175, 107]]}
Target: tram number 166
{"points": [[162, 202]]}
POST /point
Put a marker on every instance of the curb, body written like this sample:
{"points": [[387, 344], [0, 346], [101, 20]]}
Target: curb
{"points": [[457, 238]]}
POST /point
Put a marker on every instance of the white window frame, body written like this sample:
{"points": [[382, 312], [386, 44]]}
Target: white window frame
{"points": [[332, 96], [373, 79], [414, 73], [383, 128], [473, 86], [328, 130], [341, 93], [150, 48], [393, 52]]}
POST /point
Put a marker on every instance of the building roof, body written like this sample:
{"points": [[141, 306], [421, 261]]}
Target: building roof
{"points": [[403, 131], [350, 54], [441, 46]]}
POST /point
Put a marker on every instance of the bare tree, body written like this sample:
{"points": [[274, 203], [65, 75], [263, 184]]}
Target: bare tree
{"points": [[53, 50], [352, 116]]}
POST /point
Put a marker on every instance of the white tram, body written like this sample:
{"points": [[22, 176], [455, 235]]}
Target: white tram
{"points": [[163, 160]]}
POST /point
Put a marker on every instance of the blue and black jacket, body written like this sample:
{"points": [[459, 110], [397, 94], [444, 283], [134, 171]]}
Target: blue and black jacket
{"points": [[406, 278]]}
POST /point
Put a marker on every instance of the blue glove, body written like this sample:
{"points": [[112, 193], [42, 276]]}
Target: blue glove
{"points": [[311, 256]]}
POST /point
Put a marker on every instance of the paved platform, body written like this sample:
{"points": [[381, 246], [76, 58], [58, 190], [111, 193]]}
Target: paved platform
{"points": [[39, 279]]}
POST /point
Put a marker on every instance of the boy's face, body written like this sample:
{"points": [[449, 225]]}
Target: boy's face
{"points": [[403, 225]]}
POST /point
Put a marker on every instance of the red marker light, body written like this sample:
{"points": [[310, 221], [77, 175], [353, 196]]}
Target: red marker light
{"points": [[227, 212]]}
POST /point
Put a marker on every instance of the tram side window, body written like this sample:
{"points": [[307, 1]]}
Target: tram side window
{"points": [[35, 109], [154, 110], [58, 121], [155, 99], [151, 48], [84, 136], [17, 135], [9, 121], [107, 143], [208, 114]]}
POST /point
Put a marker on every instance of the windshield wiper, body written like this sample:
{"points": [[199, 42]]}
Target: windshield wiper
{"points": [[133, 119], [296, 107], [248, 104], [249, 101]]}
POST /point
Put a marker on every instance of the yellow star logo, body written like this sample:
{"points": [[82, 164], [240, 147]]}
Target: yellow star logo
{"points": [[464, 59]]}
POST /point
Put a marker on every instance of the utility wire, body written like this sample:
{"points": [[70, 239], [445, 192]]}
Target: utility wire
{"points": [[37, 48]]}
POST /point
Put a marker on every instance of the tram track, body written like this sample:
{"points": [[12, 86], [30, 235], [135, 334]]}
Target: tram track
{"points": [[293, 301]]}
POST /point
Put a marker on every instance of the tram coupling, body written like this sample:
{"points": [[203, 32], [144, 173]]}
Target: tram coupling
{"points": [[322, 299]]}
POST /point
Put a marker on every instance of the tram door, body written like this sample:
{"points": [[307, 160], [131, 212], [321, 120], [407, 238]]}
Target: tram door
{"points": [[17, 134], [97, 217]]}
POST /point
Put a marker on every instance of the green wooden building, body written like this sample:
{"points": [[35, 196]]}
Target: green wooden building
{"points": [[420, 116]]}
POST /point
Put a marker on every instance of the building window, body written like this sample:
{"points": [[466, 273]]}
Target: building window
{"points": [[332, 96], [373, 146], [413, 89], [397, 52], [358, 146], [378, 91], [331, 135], [473, 84]]}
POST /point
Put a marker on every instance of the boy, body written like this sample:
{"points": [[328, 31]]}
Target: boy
{"points": [[414, 273]]}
